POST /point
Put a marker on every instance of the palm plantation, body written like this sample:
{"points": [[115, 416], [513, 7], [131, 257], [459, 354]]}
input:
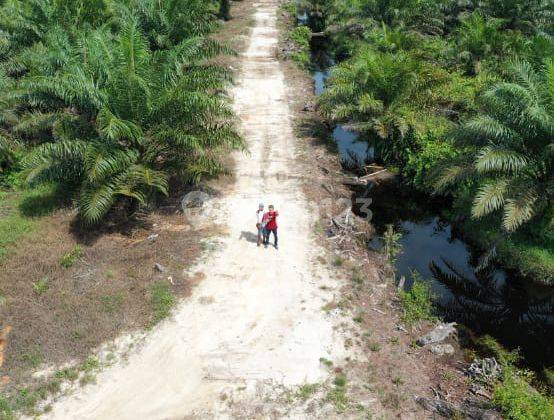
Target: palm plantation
{"points": [[124, 99]]}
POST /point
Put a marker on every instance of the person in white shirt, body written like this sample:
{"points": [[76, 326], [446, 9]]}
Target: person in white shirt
{"points": [[260, 224]]}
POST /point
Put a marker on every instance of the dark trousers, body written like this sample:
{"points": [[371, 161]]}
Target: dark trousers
{"points": [[267, 232]]}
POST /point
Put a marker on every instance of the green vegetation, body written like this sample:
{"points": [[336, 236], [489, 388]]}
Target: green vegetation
{"points": [[41, 286], [459, 97], [307, 390], [514, 394], [518, 400], [111, 303], [417, 303], [70, 258], [162, 300], [19, 212], [337, 395], [391, 244], [112, 100], [297, 38]]}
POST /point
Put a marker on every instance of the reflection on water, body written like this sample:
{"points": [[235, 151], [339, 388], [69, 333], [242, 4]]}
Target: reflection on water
{"points": [[482, 296], [520, 314]]}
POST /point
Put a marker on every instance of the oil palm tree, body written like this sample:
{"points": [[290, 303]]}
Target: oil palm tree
{"points": [[514, 144], [386, 97], [124, 118]]}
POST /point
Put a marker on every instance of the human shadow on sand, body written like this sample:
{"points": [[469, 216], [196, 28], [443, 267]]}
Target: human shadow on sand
{"points": [[249, 236]]}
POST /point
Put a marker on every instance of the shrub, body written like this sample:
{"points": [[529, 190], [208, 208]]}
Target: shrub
{"points": [[519, 401], [417, 303]]}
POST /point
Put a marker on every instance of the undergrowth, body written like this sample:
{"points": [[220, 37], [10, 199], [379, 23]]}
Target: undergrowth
{"points": [[417, 303]]}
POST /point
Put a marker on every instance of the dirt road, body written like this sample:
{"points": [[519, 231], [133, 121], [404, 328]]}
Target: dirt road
{"points": [[255, 322]]}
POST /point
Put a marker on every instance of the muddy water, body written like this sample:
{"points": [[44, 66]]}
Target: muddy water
{"points": [[469, 287]]}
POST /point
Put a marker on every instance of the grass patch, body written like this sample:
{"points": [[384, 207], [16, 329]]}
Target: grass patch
{"points": [[514, 395], [33, 357], [358, 318], [338, 261], [326, 362], [112, 303], [67, 374], [340, 380], [6, 410], [90, 364], [70, 258], [375, 347], [41, 286], [518, 400], [87, 378], [22, 210], [417, 303], [162, 300], [337, 396], [306, 391]]}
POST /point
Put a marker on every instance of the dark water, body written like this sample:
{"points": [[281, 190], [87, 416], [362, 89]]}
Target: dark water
{"points": [[469, 287]]}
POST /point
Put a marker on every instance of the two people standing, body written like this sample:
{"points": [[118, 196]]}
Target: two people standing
{"points": [[266, 223]]}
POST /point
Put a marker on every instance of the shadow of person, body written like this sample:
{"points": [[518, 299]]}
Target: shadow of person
{"points": [[249, 236]]}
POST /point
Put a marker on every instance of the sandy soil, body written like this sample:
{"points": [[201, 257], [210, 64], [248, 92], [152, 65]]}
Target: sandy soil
{"points": [[255, 324]]}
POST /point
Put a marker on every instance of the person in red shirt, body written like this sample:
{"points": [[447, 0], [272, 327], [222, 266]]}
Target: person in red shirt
{"points": [[271, 226]]}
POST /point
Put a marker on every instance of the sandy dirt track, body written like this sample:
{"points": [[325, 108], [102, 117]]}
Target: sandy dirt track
{"points": [[255, 322]]}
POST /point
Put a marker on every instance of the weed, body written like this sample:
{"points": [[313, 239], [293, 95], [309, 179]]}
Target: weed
{"points": [[329, 306], [26, 400], [109, 274], [357, 280], [519, 401], [397, 381], [490, 347], [87, 378], [112, 303], [340, 380], [75, 335], [358, 318], [54, 386], [68, 374], [337, 396], [324, 287], [41, 286], [338, 261], [391, 241], [348, 343], [375, 347], [33, 357], [448, 375], [392, 400], [306, 391], [70, 258], [3, 299], [90, 364], [394, 340], [326, 362], [162, 300], [417, 303], [318, 228], [6, 410]]}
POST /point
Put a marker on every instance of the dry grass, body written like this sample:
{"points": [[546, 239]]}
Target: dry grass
{"points": [[105, 291]]}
